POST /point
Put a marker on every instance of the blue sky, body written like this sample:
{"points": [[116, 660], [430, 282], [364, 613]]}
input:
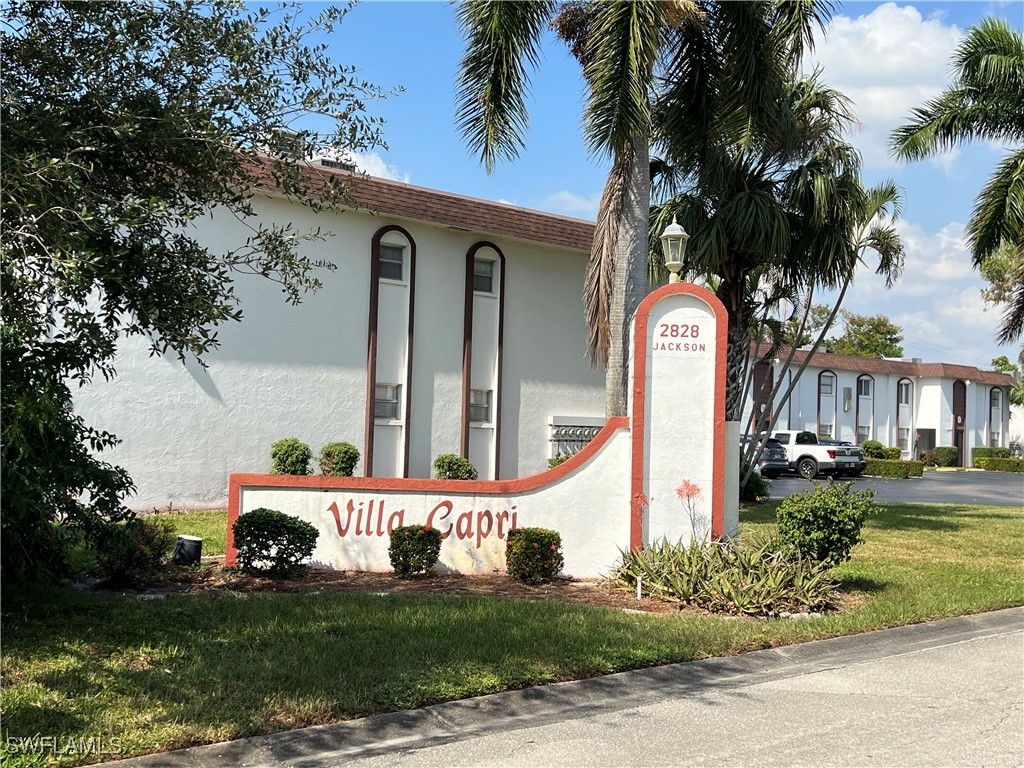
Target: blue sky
{"points": [[888, 57]]}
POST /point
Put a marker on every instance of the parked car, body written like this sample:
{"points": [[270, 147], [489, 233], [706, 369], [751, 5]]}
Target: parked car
{"points": [[773, 461], [808, 456]]}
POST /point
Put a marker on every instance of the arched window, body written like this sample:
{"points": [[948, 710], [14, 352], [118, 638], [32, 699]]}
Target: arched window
{"points": [[995, 417], [865, 407], [826, 404], [904, 413]]}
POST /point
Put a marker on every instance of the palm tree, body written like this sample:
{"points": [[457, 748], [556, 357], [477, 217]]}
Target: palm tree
{"points": [[728, 57], [778, 205], [984, 101]]}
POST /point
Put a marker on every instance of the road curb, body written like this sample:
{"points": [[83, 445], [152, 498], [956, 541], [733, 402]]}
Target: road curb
{"points": [[467, 718]]}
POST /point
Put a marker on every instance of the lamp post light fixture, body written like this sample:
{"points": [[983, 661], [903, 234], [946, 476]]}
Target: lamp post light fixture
{"points": [[673, 246]]}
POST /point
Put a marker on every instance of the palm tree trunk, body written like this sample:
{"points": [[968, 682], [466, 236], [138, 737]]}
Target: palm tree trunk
{"points": [[631, 277], [731, 294]]}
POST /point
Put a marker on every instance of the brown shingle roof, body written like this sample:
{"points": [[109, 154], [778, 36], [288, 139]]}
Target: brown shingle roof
{"points": [[447, 209], [895, 367]]}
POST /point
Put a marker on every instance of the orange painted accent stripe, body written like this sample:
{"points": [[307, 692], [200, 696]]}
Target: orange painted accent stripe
{"points": [[638, 495], [234, 499]]}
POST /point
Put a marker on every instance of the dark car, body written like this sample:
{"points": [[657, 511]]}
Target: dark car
{"points": [[773, 461]]}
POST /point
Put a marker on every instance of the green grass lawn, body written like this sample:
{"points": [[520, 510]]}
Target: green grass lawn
{"points": [[186, 670], [209, 525]]}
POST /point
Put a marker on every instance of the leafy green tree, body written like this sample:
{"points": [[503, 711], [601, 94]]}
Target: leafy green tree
{"points": [[1003, 365], [984, 101], [122, 124], [864, 336], [800, 334]]}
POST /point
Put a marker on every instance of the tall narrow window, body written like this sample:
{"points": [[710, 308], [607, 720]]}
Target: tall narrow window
{"points": [[826, 384], [391, 262], [483, 276], [864, 387], [903, 390], [903, 437], [863, 433], [480, 406], [386, 401]]}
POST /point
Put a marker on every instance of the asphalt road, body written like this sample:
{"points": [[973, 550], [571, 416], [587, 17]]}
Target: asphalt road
{"points": [[1001, 489], [946, 693]]}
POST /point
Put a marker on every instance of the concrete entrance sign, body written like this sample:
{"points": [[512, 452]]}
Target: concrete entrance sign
{"points": [[660, 473], [678, 416]]}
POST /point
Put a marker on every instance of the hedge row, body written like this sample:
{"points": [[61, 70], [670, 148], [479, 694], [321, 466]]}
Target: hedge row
{"points": [[989, 453], [894, 468], [1000, 465]]}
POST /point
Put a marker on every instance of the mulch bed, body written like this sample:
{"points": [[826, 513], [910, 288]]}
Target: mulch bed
{"points": [[212, 576]]}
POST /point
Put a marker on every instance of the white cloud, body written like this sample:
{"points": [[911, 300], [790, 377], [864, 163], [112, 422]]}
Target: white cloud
{"points": [[375, 165], [571, 204], [888, 62], [937, 301]]}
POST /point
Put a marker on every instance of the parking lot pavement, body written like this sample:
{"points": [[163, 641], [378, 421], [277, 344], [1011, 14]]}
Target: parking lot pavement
{"points": [[1000, 489]]}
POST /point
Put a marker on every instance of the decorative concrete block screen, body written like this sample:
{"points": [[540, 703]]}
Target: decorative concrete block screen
{"points": [[621, 491]]}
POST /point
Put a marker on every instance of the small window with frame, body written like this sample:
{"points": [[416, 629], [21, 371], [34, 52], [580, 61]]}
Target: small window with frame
{"points": [[483, 276], [863, 433], [826, 384], [480, 406], [387, 402], [392, 262], [864, 387]]}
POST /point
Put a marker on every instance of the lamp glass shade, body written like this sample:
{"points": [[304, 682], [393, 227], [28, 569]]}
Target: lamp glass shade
{"points": [[673, 245]]}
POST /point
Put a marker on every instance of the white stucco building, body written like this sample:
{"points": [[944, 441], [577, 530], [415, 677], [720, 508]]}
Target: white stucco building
{"points": [[906, 403], [451, 325]]}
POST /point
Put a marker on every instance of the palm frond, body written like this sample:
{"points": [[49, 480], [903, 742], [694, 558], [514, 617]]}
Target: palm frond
{"points": [[502, 38], [599, 279], [998, 214]]}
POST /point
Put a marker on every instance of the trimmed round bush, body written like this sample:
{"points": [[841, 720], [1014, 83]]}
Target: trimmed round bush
{"points": [[824, 524], [134, 553], [290, 456], [533, 555], [452, 467], [947, 455], [272, 542], [872, 449], [414, 549], [756, 488], [338, 459]]}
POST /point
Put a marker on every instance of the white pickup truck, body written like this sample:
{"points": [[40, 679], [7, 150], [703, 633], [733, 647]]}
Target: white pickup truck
{"points": [[807, 456]]}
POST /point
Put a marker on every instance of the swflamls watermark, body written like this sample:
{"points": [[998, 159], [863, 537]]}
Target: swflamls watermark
{"points": [[62, 745]]}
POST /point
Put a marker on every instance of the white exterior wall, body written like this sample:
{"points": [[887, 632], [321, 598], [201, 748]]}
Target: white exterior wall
{"points": [[932, 408], [300, 371]]}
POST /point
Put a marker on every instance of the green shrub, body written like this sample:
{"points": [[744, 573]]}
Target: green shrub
{"points": [[892, 454], [414, 549], [988, 453], [533, 554], [872, 449], [894, 468], [1000, 465], [756, 579], [824, 524], [452, 467], [338, 459], [135, 552], [756, 488], [929, 459], [947, 456], [559, 459], [290, 457], [273, 542]]}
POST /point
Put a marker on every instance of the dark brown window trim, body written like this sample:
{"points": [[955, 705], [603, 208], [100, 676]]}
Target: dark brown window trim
{"points": [[835, 401], [467, 352], [856, 417], [371, 351]]}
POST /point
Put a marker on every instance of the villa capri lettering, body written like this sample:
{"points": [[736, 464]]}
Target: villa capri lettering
{"points": [[372, 519], [678, 337]]}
